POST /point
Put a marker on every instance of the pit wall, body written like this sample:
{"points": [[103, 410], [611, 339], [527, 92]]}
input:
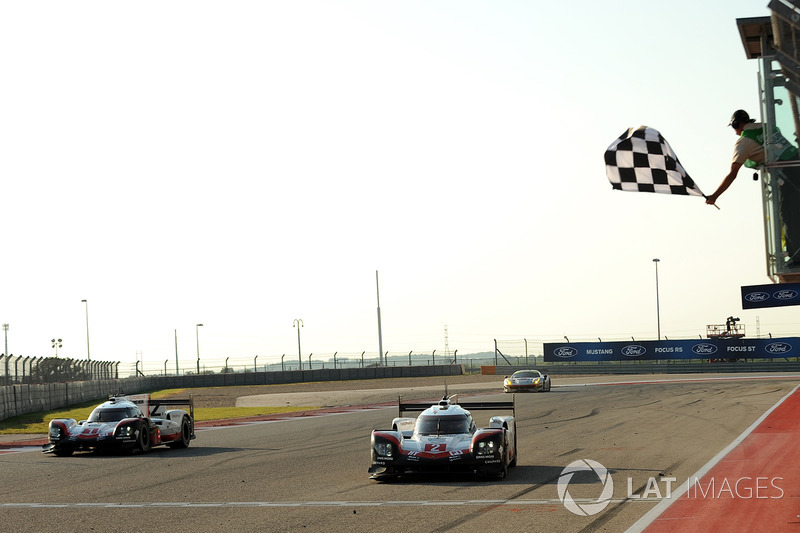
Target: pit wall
{"points": [[23, 399]]}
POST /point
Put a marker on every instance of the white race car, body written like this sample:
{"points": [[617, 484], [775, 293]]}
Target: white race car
{"points": [[527, 380], [124, 423], [444, 438]]}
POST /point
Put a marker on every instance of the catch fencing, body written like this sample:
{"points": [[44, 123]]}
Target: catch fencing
{"points": [[22, 399]]}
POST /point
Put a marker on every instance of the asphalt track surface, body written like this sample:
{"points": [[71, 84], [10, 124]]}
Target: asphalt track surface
{"points": [[310, 473]]}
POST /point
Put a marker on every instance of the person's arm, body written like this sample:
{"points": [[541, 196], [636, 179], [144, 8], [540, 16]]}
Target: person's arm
{"points": [[711, 199]]}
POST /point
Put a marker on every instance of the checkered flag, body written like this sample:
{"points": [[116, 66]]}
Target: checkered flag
{"points": [[642, 160]]}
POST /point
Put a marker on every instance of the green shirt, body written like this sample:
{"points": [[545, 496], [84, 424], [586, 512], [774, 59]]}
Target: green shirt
{"points": [[784, 149]]}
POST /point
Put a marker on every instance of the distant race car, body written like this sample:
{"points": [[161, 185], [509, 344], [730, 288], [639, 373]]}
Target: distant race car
{"points": [[443, 438], [124, 423], [527, 380]]}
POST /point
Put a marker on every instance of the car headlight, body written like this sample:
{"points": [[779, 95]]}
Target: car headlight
{"points": [[508, 382], [125, 431], [485, 447], [384, 449], [536, 381], [55, 432]]}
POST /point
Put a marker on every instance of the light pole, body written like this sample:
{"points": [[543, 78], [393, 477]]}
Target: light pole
{"points": [[56, 344], [658, 306], [197, 338], [177, 371], [87, 330], [526, 351], [380, 334], [5, 330], [298, 323]]}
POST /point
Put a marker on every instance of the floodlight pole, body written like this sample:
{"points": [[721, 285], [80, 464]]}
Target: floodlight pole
{"points": [[197, 340], [88, 358], [5, 330], [658, 305], [298, 323], [380, 334], [177, 370]]}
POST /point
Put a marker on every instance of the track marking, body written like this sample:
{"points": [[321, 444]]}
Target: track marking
{"points": [[21, 449], [683, 380], [662, 506], [302, 504]]}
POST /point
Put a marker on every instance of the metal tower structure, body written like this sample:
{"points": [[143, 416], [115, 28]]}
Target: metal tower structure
{"points": [[772, 41]]}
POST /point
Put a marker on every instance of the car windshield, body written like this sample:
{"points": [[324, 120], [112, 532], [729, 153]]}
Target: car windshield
{"points": [[442, 425], [109, 415], [533, 374]]}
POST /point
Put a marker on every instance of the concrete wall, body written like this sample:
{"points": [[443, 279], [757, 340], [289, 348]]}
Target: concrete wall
{"points": [[22, 399]]}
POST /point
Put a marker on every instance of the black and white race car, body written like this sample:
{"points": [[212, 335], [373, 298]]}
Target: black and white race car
{"points": [[444, 438], [124, 423]]}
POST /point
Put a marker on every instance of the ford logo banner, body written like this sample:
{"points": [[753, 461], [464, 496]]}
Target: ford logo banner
{"points": [[565, 352], [633, 350], [778, 348], [785, 294], [773, 295], [673, 349], [704, 349]]}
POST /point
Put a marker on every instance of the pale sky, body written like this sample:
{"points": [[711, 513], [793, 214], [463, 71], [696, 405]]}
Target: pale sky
{"points": [[244, 164]]}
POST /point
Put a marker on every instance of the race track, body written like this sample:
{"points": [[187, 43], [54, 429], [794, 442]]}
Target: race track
{"points": [[310, 473]]}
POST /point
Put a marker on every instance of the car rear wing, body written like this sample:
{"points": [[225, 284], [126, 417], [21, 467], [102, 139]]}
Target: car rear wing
{"points": [[155, 408], [453, 400]]}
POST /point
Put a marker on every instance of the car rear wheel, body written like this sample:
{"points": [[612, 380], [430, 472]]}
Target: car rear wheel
{"points": [[513, 462], [186, 435], [144, 439]]}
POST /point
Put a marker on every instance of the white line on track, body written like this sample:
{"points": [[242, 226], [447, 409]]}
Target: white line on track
{"points": [[9, 451], [683, 380], [390, 503]]}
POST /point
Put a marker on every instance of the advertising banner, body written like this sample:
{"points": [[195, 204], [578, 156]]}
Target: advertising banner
{"points": [[772, 295], [672, 349]]}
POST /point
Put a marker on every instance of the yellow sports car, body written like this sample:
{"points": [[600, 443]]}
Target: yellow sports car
{"points": [[527, 381]]}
